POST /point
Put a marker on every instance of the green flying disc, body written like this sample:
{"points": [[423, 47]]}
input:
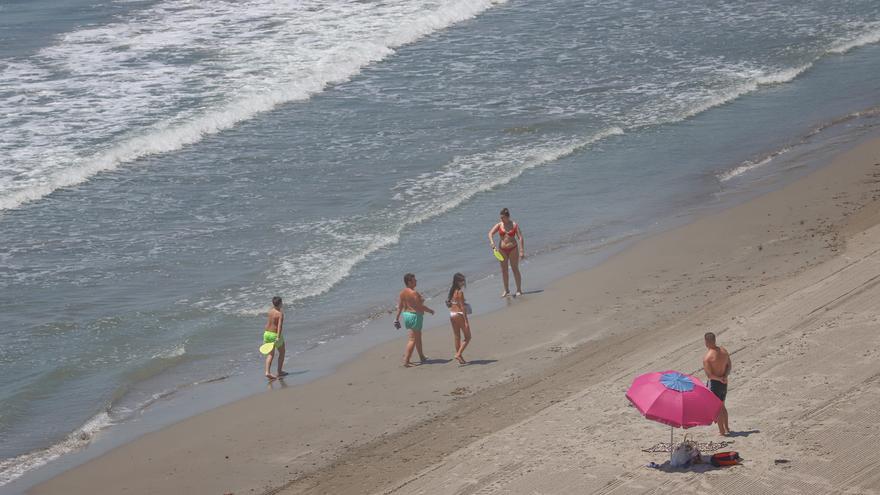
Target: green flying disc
{"points": [[498, 255]]}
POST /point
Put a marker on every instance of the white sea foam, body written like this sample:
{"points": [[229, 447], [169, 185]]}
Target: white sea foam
{"points": [[742, 83], [782, 76], [870, 36], [172, 353], [109, 95], [750, 165], [742, 80], [13, 468]]}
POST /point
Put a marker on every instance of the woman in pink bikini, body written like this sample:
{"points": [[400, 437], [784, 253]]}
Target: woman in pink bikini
{"points": [[512, 247]]}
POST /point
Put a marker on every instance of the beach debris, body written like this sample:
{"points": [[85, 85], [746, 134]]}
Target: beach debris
{"points": [[460, 391], [781, 461]]}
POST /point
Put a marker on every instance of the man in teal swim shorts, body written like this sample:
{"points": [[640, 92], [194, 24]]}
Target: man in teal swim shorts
{"points": [[412, 306], [413, 321]]}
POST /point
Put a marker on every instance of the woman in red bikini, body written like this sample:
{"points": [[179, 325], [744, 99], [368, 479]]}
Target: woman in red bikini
{"points": [[513, 248]]}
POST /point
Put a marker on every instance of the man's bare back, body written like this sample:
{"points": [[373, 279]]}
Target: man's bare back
{"points": [[716, 364], [274, 320]]}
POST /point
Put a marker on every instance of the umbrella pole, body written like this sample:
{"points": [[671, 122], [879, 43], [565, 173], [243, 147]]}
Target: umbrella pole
{"points": [[671, 445]]}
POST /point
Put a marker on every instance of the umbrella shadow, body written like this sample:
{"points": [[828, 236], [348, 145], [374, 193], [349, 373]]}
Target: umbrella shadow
{"points": [[742, 433], [701, 467]]}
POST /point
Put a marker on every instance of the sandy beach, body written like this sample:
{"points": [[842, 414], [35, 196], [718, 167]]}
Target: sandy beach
{"points": [[787, 281]]}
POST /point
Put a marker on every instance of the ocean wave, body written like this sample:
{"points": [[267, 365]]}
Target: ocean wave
{"points": [[872, 35], [749, 165], [340, 245], [173, 353], [750, 80], [117, 86], [766, 158], [15, 467], [740, 83], [781, 76], [864, 113]]}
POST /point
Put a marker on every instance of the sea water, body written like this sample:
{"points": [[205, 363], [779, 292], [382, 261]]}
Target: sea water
{"points": [[167, 167]]}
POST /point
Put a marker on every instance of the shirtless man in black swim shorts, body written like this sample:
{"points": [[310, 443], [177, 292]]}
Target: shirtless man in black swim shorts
{"points": [[716, 364]]}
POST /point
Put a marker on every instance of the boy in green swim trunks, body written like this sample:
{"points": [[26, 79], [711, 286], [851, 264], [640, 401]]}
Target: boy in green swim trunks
{"points": [[273, 334], [411, 305]]}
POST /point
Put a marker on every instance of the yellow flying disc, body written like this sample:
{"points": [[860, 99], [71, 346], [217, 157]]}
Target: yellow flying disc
{"points": [[498, 255], [267, 347]]}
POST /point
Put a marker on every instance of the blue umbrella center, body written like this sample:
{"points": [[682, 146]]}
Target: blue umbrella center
{"points": [[677, 381]]}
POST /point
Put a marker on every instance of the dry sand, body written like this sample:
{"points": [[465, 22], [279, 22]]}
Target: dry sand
{"points": [[788, 281]]}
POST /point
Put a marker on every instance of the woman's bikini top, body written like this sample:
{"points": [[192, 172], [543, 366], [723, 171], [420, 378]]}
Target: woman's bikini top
{"points": [[511, 232], [456, 302]]}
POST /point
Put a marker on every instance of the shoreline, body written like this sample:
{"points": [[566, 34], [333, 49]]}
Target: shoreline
{"points": [[238, 386], [367, 396]]}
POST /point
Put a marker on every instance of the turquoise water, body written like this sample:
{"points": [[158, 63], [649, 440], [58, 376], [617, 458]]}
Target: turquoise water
{"points": [[168, 169]]}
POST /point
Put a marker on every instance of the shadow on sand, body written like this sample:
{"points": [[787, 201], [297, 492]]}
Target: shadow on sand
{"points": [[433, 361], [693, 468], [742, 433], [480, 362], [513, 297], [536, 291], [699, 467]]}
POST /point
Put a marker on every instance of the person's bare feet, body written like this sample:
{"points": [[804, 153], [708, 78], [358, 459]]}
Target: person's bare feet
{"points": [[408, 365], [271, 377], [282, 373], [460, 359], [505, 294], [423, 359], [518, 293]]}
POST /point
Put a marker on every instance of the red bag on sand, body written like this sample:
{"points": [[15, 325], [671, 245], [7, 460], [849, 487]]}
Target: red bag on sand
{"points": [[725, 459]]}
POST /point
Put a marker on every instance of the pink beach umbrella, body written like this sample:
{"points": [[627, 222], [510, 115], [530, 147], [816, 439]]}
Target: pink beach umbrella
{"points": [[675, 399]]}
